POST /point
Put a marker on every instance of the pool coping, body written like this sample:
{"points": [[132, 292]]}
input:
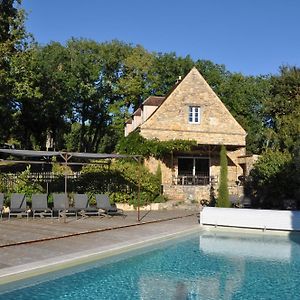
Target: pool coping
{"points": [[26, 271], [254, 230]]}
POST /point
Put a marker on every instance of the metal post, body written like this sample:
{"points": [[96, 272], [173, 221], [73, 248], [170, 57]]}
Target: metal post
{"points": [[66, 182], [139, 190], [66, 157]]}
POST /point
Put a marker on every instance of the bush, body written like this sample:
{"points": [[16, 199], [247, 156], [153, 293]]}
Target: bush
{"points": [[121, 180], [272, 179], [22, 184]]}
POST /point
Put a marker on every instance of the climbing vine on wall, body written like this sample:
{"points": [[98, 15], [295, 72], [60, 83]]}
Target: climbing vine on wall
{"points": [[135, 144]]}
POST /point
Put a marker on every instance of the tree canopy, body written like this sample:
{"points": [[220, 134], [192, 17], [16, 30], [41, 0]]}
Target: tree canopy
{"points": [[77, 96]]}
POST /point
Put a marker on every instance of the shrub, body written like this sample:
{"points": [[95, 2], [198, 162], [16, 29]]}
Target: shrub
{"points": [[272, 179], [23, 185], [121, 180]]}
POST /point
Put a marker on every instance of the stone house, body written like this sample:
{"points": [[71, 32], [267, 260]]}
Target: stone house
{"points": [[192, 111]]}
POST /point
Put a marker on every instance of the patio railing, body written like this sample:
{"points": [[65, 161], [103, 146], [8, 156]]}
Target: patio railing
{"points": [[193, 180]]}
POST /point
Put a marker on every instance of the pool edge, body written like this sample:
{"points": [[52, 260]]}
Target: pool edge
{"points": [[25, 271]]}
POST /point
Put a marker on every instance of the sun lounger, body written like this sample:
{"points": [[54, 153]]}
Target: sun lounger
{"points": [[61, 205], [18, 205], [104, 204], [40, 205], [81, 204], [1, 204]]}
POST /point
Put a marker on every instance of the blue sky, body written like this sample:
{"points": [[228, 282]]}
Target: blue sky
{"points": [[249, 36]]}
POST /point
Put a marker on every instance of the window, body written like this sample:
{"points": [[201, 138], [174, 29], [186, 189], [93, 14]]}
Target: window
{"points": [[193, 171], [193, 166], [194, 114]]}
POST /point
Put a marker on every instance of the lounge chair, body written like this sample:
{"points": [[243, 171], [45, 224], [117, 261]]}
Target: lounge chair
{"points": [[18, 205], [104, 204], [1, 204], [81, 204], [246, 202], [40, 205], [61, 205]]}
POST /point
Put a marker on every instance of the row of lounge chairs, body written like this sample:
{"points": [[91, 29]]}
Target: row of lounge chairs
{"points": [[61, 205]]}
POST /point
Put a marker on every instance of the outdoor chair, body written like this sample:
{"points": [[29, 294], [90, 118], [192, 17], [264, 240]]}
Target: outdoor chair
{"points": [[40, 205], [1, 204], [18, 205], [61, 205], [104, 204], [240, 201], [235, 200], [246, 202], [81, 205]]}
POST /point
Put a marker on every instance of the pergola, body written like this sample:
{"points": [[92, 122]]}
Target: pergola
{"points": [[44, 157]]}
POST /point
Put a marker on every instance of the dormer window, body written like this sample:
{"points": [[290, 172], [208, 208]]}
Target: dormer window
{"points": [[194, 114]]}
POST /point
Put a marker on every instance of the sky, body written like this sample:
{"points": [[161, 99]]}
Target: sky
{"points": [[254, 37]]}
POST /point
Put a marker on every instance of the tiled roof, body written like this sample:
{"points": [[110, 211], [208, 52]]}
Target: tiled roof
{"points": [[138, 112], [154, 101]]}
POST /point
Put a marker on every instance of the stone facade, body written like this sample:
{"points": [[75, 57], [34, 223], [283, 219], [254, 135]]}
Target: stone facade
{"points": [[214, 126], [170, 121]]}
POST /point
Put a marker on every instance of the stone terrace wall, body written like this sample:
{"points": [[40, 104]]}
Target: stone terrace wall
{"points": [[186, 193]]}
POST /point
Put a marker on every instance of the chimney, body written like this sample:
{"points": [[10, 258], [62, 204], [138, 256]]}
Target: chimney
{"points": [[178, 80]]}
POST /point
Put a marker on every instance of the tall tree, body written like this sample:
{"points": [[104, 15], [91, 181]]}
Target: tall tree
{"points": [[97, 101], [282, 109], [42, 114], [165, 72], [244, 96], [223, 193], [13, 40]]}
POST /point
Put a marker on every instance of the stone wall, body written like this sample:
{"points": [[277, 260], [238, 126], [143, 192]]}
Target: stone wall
{"points": [[216, 127], [187, 193], [171, 119]]}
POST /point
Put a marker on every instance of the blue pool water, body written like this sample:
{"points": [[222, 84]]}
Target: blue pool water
{"points": [[206, 266]]}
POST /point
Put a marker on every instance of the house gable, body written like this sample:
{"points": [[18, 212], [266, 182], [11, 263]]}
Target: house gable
{"points": [[171, 119]]}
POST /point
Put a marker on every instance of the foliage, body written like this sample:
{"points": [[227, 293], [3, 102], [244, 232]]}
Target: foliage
{"points": [[223, 194], [79, 95], [60, 168], [23, 185], [158, 174], [244, 96], [135, 144], [121, 180], [282, 109], [13, 40], [273, 179], [165, 71], [72, 138]]}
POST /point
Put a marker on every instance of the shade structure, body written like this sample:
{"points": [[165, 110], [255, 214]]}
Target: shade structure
{"points": [[63, 154], [67, 156]]}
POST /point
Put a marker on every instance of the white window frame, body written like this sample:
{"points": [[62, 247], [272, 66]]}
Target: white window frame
{"points": [[194, 114]]}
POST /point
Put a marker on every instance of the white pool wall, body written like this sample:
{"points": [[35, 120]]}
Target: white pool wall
{"points": [[251, 218]]}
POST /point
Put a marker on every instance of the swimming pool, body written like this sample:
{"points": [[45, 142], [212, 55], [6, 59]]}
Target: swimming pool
{"points": [[212, 265]]}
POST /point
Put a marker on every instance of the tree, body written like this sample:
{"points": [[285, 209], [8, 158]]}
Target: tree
{"points": [[165, 71], [223, 194], [41, 115], [244, 97], [215, 75], [273, 179], [282, 109], [13, 41]]}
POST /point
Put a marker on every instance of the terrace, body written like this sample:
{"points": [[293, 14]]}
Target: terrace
{"points": [[26, 246]]}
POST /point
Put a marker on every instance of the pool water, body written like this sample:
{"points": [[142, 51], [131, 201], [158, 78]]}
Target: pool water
{"points": [[206, 266]]}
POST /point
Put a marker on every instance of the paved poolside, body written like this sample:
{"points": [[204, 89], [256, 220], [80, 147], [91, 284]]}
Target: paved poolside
{"points": [[29, 244]]}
